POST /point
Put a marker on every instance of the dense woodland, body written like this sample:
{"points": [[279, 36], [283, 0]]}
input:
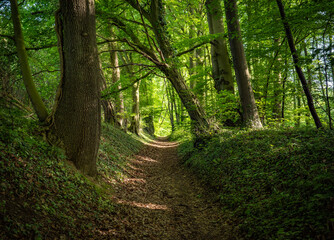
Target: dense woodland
{"points": [[245, 87]]}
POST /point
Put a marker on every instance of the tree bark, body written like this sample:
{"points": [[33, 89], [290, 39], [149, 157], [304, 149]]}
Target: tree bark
{"points": [[78, 114], [221, 67], [297, 67], [35, 98], [135, 118], [250, 112], [109, 110], [116, 75], [277, 106]]}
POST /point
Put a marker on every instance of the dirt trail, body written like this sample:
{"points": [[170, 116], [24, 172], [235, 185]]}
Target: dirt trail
{"points": [[163, 200]]}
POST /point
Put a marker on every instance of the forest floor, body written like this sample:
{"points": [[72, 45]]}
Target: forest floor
{"points": [[163, 200]]}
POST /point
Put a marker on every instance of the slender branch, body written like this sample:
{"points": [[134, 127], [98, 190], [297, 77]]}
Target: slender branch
{"points": [[136, 22], [7, 36], [193, 48], [117, 50], [126, 87], [33, 48], [133, 3], [133, 64]]}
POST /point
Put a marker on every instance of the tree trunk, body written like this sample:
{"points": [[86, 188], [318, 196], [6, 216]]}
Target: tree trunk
{"points": [[135, 118], [192, 57], [169, 63], [189, 100], [250, 112], [170, 106], [277, 85], [116, 75], [109, 111], [35, 98], [297, 67], [78, 114], [221, 67]]}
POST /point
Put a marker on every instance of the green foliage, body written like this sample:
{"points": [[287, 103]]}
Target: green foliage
{"points": [[276, 184], [225, 108], [115, 147], [42, 196]]}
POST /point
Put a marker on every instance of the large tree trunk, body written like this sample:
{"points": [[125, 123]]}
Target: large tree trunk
{"points": [[221, 67], [250, 112], [77, 116], [297, 67], [35, 98]]}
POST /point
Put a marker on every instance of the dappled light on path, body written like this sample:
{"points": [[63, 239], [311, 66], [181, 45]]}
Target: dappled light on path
{"points": [[160, 199], [144, 205]]}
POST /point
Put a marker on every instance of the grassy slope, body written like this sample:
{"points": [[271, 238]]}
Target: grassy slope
{"points": [[41, 195], [276, 184]]}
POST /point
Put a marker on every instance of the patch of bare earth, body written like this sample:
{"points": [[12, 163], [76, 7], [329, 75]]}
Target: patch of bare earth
{"points": [[163, 200]]}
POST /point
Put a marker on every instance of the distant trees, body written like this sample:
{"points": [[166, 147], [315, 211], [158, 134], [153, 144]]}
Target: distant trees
{"points": [[168, 63], [170, 42], [297, 66]]}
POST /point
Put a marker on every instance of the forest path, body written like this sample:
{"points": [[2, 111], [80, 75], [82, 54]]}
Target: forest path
{"points": [[163, 200]]}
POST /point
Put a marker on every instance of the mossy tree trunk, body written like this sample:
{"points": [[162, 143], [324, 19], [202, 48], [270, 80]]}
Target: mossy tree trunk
{"points": [[221, 67], [189, 100], [35, 98]]}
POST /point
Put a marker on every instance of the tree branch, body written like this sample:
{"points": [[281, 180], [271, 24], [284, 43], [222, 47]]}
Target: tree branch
{"points": [[193, 48], [7, 36], [133, 64], [128, 86], [33, 48]]}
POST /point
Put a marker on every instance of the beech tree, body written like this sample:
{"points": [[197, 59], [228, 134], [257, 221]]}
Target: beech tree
{"points": [[77, 114], [221, 67], [249, 109]]}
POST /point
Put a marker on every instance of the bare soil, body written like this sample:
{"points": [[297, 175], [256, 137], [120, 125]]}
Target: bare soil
{"points": [[164, 200]]}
